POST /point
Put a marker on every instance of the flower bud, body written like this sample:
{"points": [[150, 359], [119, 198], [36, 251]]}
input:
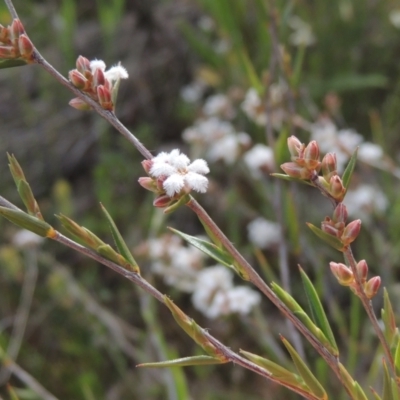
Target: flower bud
{"points": [[105, 98], [4, 34], [79, 104], [342, 273], [327, 227], [295, 147], [16, 30], [8, 52], [77, 79], [372, 286], [351, 232], [147, 164], [296, 171], [82, 64], [340, 214], [98, 77], [311, 155], [336, 188], [362, 270], [162, 201], [148, 183], [25, 47], [329, 166]]}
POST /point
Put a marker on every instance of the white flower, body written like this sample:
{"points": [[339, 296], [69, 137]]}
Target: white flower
{"points": [[193, 92], [116, 72], [364, 200], [219, 104], [215, 295], [302, 33], [263, 233], [370, 153], [178, 173], [25, 238], [228, 148], [259, 158], [97, 64], [254, 107], [394, 17]]}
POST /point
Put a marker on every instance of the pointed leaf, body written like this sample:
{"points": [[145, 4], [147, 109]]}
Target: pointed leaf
{"points": [[388, 318], [183, 362], [310, 380], [360, 394], [119, 241], [326, 237], [28, 198], [397, 359], [291, 179], [348, 172], [376, 395], [16, 170], [108, 252], [29, 222], [208, 248], [317, 310], [387, 387], [12, 63]]}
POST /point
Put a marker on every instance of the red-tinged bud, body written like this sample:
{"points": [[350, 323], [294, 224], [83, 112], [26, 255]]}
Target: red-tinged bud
{"points": [[296, 148], [25, 47], [351, 232], [149, 184], [98, 78], [4, 35], [82, 64], [79, 104], [311, 155], [16, 29], [147, 164], [342, 273], [77, 79], [340, 214], [296, 171], [162, 201], [372, 286], [330, 229], [104, 96], [8, 52], [336, 188], [362, 270], [329, 166]]}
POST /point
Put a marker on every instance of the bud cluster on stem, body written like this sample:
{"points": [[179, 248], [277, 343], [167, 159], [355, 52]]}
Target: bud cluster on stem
{"points": [[14, 43]]}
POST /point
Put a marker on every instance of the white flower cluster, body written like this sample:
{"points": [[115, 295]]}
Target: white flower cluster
{"points": [[115, 73], [263, 233], [343, 143], [302, 34], [215, 295], [178, 173], [213, 292]]}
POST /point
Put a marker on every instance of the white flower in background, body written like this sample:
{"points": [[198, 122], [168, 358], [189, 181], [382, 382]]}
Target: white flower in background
{"points": [[177, 264], [254, 107], [215, 295], [206, 23], [193, 92], [217, 139], [365, 200], [302, 34], [219, 105], [25, 238], [370, 153], [222, 46], [259, 159], [394, 17], [263, 233], [178, 173]]}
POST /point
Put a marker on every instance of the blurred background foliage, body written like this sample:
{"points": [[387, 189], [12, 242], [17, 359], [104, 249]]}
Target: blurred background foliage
{"points": [[87, 328]]}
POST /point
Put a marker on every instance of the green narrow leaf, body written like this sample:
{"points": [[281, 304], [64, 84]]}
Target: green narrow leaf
{"points": [[310, 380], [348, 172], [183, 362], [118, 239], [317, 309], [28, 198], [388, 318], [12, 63], [360, 394], [208, 248], [326, 237], [29, 222], [291, 179], [387, 386], [376, 395], [292, 222], [397, 359]]}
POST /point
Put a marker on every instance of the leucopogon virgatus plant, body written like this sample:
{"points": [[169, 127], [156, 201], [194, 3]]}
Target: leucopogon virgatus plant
{"points": [[173, 178]]}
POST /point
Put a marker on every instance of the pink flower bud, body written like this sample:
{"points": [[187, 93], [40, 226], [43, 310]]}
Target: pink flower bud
{"points": [[148, 183], [340, 214], [362, 270], [329, 228], [372, 286], [162, 201], [4, 35], [16, 30], [311, 155], [295, 147], [8, 52], [329, 166], [342, 273], [351, 232], [82, 64], [336, 188], [296, 171], [77, 79], [147, 164], [25, 47], [79, 104], [105, 98], [98, 77]]}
